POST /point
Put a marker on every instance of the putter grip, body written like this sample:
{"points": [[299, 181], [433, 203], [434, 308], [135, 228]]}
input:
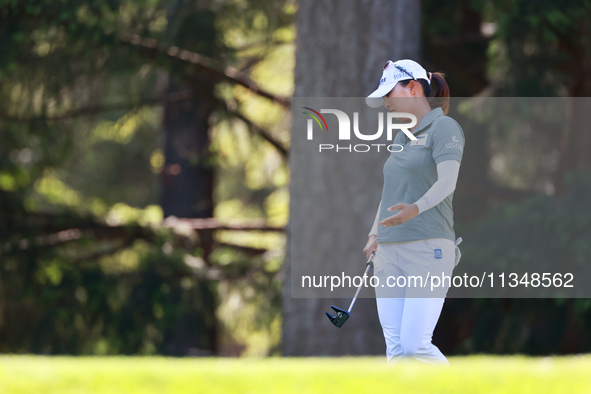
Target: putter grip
{"points": [[370, 261]]}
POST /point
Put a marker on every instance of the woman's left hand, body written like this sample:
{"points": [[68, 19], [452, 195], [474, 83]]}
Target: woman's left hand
{"points": [[404, 214]]}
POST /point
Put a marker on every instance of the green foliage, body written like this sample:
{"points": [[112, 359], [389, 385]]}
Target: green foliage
{"points": [[453, 43], [549, 233], [539, 46], [53, 305], [548, 230], [81, 156], [250, 304]]}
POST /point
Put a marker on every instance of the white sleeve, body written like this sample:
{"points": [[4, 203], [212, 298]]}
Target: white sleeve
{"points": [[447, 176], [374, 228]]}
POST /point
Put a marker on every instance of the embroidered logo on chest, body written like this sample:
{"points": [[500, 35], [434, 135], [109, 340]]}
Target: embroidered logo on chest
{"points": [[421, 140]]}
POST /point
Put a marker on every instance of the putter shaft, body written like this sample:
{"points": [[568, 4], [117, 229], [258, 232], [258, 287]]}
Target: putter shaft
{"points": [[369, 265]]}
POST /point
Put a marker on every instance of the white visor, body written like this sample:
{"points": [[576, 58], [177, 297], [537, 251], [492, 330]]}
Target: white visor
{"points": [[393, 73]]}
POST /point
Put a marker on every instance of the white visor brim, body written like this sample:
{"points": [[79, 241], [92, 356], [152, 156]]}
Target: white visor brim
{"points": [[376, 99]]}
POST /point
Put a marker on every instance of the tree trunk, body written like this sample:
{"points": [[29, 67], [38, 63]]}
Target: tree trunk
{"points": [[187, 192], [187, 178], [341, 50]]}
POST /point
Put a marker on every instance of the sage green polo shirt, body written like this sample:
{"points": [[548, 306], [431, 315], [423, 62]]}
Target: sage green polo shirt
{"points": [[408, 175]]}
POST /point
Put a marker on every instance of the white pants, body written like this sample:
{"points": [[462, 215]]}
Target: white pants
{"points": [[408, 315]]}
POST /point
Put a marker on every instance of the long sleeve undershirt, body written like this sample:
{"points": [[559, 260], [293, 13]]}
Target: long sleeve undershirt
{"points": [[447, 177]]}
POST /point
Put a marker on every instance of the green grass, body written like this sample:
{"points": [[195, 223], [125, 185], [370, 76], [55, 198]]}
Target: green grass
{"points": [[474, 374]]}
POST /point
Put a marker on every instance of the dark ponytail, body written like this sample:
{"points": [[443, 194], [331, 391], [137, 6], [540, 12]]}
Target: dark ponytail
{"points": [[438, 95]]}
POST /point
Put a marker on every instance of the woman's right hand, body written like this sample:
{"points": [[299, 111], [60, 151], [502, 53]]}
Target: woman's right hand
{"points": [[370, 246]]}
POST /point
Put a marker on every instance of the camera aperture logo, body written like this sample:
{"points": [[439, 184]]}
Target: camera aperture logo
{"points": [[391, 121]]}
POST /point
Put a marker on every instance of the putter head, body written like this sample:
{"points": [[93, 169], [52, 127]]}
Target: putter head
{"points": [[340, 318]]}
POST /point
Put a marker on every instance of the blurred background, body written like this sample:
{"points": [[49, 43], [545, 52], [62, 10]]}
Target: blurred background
{"points": [[145, 171]]}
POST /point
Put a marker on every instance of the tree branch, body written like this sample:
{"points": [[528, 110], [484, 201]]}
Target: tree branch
{"points": [[214, 224], [256, 129], [206, 64], [88, 111], [249, 250], [97, 255]]}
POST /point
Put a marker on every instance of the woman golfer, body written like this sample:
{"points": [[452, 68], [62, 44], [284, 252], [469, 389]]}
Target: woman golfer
{"points": [[413, 234]]}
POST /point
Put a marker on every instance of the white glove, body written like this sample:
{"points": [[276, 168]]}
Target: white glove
{"points": [[458, 253]]}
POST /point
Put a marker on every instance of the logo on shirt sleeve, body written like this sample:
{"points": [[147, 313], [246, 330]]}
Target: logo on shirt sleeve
{"points": [[454, 144]]}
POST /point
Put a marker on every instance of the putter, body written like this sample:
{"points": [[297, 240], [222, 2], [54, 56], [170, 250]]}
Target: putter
{"points": [[343, 315]]}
